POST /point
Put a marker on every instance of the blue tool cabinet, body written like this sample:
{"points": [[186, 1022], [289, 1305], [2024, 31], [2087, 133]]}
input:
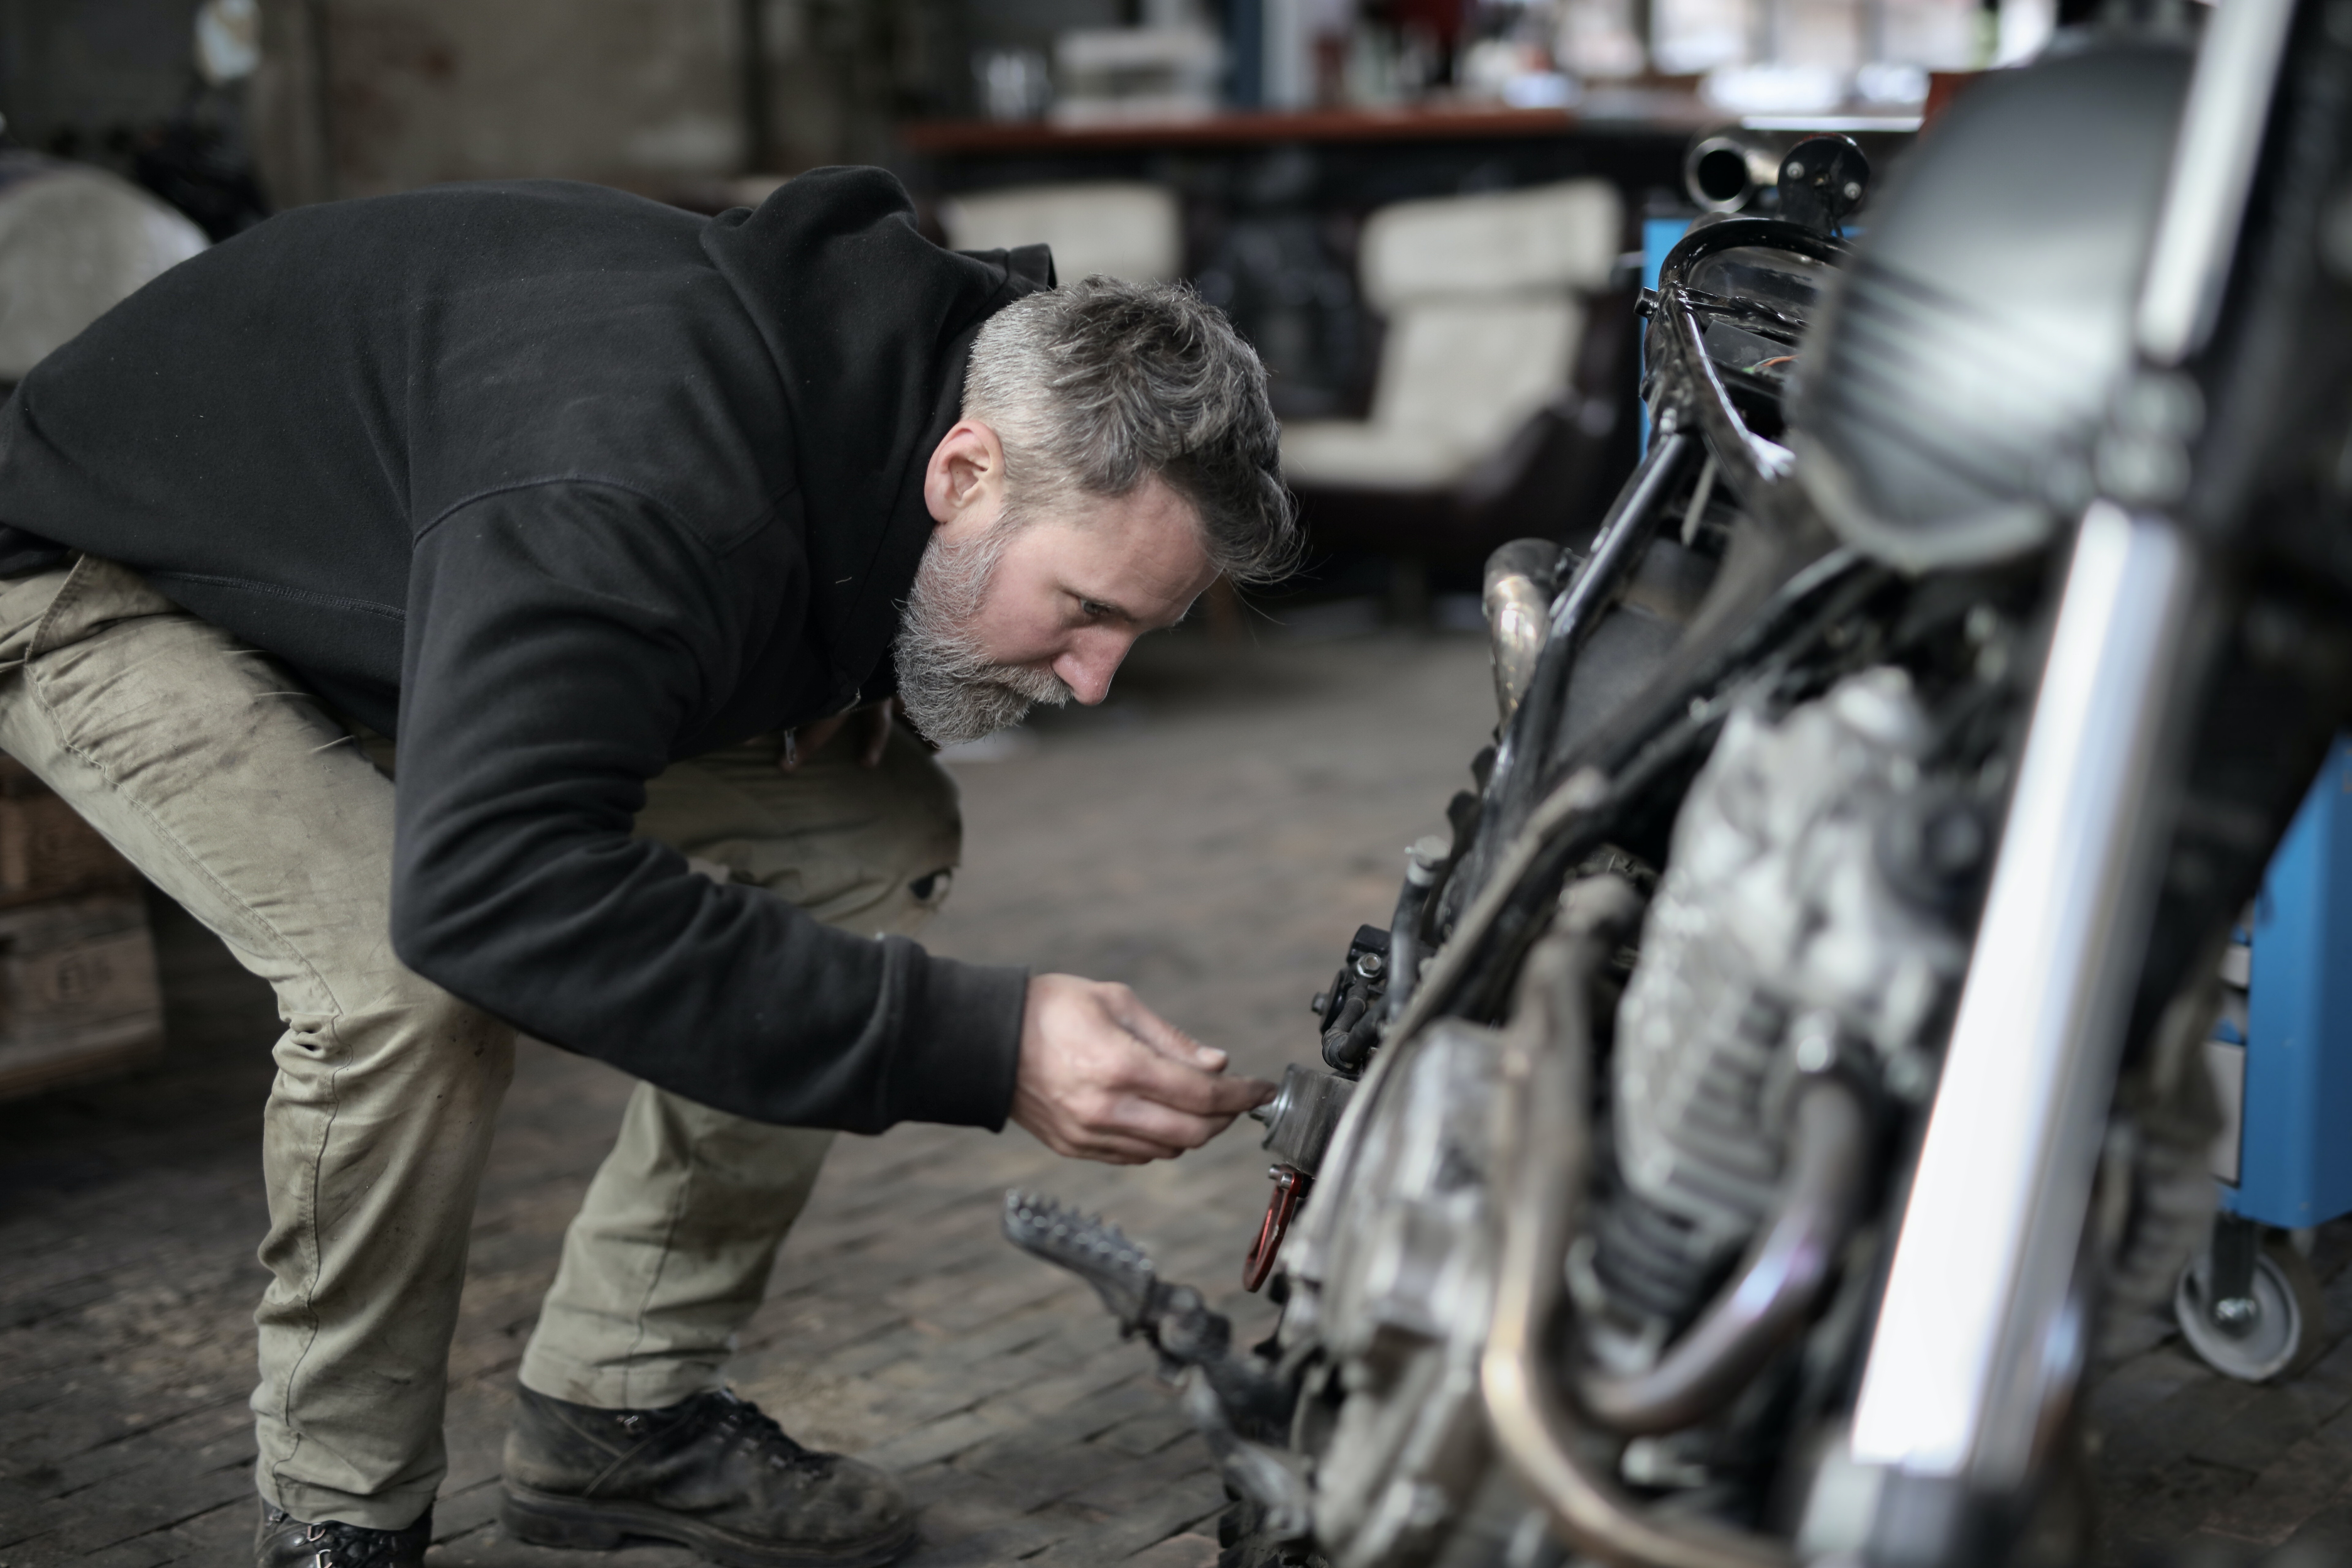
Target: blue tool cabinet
{"points": [[2292, 1059], [2281, 1055]]}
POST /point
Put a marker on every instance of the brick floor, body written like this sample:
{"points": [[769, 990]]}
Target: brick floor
{"points": [[1211, 837]]}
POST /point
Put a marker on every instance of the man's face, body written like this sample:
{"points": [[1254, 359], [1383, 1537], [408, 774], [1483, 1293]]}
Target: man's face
{"points": [[1043, 610], [1071, 593]]}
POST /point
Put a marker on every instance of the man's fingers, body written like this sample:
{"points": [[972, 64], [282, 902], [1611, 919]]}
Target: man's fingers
{"points": [[1166, 1039], [1149, 1076], [1188, 1090], [1229, 1097], [1161, 1124], [1128, 1151], [1104, 1077], [1111, 1147]]}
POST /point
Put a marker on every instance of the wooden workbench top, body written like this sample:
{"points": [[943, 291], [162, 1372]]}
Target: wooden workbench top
{"points": [[1611, 112]]}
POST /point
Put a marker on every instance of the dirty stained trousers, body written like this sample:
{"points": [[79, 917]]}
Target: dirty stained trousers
{"points": [[242, 797]]}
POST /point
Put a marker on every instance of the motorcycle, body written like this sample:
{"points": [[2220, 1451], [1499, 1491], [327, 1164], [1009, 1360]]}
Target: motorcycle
{"points": [[1759, 1114]]}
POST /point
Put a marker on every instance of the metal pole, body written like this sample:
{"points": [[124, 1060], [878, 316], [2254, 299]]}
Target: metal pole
{"points": [[1955, 1385]]}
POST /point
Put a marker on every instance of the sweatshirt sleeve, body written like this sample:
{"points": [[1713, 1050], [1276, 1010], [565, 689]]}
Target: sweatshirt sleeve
{"points": [[559, 636]]}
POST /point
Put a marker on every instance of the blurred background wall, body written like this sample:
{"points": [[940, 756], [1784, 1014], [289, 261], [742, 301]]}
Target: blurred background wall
{"points": [[360, 97], [1254, 147], [419, 91]]}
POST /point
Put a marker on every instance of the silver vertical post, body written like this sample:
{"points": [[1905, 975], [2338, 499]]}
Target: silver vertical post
{"points": [[1956, 1380]]}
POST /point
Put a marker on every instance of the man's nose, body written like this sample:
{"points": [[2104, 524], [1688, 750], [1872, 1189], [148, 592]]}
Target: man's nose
{"points": [[1087, 669]]}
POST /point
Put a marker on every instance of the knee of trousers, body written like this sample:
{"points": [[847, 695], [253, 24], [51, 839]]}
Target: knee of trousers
{"points": [[917, 841], [911, 816], [871, 850], [404, 1046], [925, 830]]}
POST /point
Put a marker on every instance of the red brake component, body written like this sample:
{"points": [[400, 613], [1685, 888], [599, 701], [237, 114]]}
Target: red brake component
{"points": [[1290, 1187]]}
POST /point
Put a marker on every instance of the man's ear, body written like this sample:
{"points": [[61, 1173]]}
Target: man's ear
{"points": [[963, 484]]}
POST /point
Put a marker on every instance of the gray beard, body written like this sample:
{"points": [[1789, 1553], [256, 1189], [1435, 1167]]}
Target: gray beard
{"points": [[951, 691]]}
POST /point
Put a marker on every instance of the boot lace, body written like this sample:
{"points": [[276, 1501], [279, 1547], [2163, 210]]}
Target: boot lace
{"points": [[746, 1423]]}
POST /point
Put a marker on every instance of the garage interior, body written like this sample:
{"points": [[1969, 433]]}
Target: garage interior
{"points": [[1340, 178]]}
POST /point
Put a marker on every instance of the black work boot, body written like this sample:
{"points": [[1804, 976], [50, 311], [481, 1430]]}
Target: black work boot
{"points": [[282, 1540], [711, 1473]]}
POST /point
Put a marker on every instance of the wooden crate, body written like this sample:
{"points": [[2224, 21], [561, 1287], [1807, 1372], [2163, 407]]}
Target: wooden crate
{"points": [[47, 850], [78, 998]]}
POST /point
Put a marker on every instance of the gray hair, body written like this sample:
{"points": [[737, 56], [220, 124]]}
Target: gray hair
{"points": [[1096, 386]]}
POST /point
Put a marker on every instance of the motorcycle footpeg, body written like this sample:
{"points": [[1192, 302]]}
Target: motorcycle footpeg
{"points": [[1096, 1252], [1174, 1320]]}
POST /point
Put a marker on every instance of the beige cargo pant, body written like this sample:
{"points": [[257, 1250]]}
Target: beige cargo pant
{"points": [[236, 793]]}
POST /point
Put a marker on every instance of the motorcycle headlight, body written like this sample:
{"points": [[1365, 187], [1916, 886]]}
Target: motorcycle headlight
{"points": [[1954, 384]]}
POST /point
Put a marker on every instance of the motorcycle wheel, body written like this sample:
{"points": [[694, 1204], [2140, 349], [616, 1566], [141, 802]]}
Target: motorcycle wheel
{"points": [[2290, 1318]]}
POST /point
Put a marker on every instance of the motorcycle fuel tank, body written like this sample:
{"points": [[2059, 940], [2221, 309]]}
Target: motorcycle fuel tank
{"points": [[1949, 397]]}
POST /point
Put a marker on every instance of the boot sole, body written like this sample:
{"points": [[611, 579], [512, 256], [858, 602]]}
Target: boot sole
{"points": [[547, 1519]]}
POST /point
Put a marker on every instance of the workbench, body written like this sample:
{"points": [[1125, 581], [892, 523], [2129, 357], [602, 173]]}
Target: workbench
{"points": [[1272, 202]]}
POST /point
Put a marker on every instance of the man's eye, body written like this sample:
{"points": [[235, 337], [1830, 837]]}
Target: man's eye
{"points": [[1095, 609]]}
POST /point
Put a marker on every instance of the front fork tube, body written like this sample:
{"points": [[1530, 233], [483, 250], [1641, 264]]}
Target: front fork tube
{"points": [[1968, 1343]]}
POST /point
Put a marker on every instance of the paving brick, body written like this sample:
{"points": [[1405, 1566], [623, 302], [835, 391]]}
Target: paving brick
{"points": [[2131, 1390], [938, 1439], [1029, 1479], [195, 1541], [1140, 1520], [2326, 1535], [2312, 1473], [1186, 1550], [149, 1552], [2265, 1426], [1149, 1433], [487, 1549], [1010, 1543], [2169, 1429]]}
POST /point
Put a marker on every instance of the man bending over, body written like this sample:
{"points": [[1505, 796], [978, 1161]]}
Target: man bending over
{"points": [[610, 516]]}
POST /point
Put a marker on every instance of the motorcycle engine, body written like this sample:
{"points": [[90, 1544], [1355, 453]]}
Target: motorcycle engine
{"points": [[1800, 912], [1407, 1293], [1803, 912]]}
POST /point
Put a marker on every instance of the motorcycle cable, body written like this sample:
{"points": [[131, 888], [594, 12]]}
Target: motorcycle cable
{"points": [[1693, 396], [1577, 815]]}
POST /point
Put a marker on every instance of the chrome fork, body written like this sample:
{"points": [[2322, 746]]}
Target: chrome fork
{"points": [[1975, 1330], [1979, 1332]]}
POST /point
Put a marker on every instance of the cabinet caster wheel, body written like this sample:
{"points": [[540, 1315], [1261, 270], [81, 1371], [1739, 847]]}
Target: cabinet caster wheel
{"points": [[2283, 1332]]}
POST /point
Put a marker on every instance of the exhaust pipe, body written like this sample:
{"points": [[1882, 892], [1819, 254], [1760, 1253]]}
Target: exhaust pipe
{"points": [[1547, 1147], [1521, 578], [1769, 1301]]}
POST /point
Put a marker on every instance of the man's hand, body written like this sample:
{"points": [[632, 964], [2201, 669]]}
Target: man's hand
{"points": [[1104, 1077]]}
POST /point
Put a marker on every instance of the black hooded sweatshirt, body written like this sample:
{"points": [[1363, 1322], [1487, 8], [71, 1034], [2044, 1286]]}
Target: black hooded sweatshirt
{"points": [[558, 486]]}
